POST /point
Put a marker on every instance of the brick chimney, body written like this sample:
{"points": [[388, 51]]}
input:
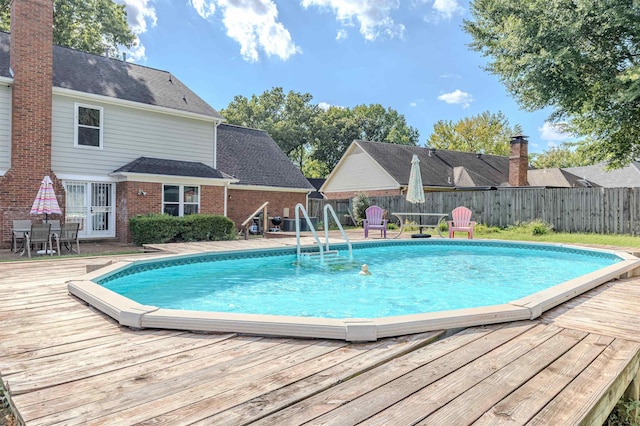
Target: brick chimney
{"points": [[31, 62], [519, 161]]}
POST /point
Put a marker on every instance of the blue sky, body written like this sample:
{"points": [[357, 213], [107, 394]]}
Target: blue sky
{"points": [[410, 55]]}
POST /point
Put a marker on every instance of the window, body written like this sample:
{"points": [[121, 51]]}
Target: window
{"points": [[88, 126], [180, 200]]}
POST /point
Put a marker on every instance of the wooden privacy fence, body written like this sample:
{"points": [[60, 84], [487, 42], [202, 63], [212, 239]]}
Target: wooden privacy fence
{"points": [[596, 210]]}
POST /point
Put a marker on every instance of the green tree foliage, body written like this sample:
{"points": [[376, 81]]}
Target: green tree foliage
{"points": [[87, 25], [314, 138], [567, 154], [486, 132], [579, 57], [288, 117]]}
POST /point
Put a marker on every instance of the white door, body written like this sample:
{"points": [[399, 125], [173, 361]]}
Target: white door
{"points": [[91, 205]]}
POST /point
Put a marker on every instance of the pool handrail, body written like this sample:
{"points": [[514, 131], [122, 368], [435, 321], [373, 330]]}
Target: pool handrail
{"points": [[300, 208], [328, 208]]}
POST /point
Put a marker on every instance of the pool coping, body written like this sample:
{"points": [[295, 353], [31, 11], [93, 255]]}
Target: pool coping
{"points": [[133, 314]]}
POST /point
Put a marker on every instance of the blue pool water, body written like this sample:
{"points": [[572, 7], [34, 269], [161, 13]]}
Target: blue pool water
{"points": [[406, 279]]}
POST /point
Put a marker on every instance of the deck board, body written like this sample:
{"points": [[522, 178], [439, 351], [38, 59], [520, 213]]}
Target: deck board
{"points": [[66, 363]]}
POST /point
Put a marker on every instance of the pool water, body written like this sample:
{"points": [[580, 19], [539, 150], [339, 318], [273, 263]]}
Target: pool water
{"points": [[405, 279]]}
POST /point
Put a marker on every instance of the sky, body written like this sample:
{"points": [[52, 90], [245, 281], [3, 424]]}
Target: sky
{"points": [[408, 55]]}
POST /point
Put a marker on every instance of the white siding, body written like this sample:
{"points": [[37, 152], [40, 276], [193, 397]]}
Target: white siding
{"points": [[5, 127], [358, 172], [128, 134]]}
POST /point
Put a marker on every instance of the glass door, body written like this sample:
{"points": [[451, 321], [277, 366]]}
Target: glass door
{"points": [[102, 223], [91, 205]]}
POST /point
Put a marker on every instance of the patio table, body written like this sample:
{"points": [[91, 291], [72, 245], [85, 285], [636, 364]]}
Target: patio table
{"points": [[54, 231], [440, 218]]}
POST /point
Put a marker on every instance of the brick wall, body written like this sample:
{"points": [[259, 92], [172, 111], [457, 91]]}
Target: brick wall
{"points": [[134, 198], [212, 200], [32, 64], [241, 203]]}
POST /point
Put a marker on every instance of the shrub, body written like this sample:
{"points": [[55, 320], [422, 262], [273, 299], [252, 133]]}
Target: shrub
{"points": [[360, 203], [535, 227], [163, 228]]}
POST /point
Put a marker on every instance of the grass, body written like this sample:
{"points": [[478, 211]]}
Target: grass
{"points": [[539, 231], [523, 234]]}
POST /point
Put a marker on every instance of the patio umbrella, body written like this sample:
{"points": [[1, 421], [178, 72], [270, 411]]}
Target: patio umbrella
{"points": [[46, 202], [415, 189]]}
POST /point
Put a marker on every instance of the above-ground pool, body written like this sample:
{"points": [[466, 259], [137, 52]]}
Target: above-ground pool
{"points": [[414, 286]]}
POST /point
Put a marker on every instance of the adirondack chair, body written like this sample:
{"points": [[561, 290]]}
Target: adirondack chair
{"points": [[461, 222], [374, 220]]}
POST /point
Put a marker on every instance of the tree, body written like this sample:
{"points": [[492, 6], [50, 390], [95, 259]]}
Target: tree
{"points": [[87, 25], [579, 57], [339, 127], [567, 154], [315, 139], [486, 132], [288, 118]]}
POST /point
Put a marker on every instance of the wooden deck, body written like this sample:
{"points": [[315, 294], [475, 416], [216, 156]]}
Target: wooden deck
{"points": [[65, 363]]}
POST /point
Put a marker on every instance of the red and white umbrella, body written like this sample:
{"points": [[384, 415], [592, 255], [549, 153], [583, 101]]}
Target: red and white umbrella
{"points": [[46, 202]]}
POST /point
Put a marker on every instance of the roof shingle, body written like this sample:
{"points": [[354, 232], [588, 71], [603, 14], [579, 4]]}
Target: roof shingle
{"points": [[254, 158], [99, 75]]}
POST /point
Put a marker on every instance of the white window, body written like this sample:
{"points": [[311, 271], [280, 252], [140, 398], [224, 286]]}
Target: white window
{"points": [[180, 200], [88, 126]]}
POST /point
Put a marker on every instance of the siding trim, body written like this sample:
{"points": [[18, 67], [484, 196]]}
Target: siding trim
{"points": [[169, 179], [130, 104], [268, 188]]}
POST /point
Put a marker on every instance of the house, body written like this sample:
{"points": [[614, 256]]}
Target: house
{"points": [[598, 175], [382, 169], [119, 139]]}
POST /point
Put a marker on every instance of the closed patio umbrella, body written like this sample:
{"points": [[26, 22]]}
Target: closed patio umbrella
{"points": [[415, 189], [46, 202]]}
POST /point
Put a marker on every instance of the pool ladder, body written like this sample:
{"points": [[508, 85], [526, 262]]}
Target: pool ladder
{"points": [[324, 254]]}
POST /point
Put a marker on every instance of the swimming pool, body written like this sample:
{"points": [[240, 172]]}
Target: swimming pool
{"points": [[433, 274]]}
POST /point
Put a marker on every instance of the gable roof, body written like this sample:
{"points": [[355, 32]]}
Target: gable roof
{"points": [[625, 177], [254, 158], [437, 166], [556, 178], [99, 75], [160, 166]]}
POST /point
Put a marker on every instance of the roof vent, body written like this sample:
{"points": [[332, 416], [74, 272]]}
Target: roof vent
{"points": [[432, 151], [170, 81], [479, 155], [124, 57], [449, 180], [184, 98]]}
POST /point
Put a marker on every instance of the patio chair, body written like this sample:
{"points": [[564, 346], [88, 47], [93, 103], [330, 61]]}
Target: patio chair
{"points": [[55, 225], [17, 233], [374, 220], [40, 234], [461, 222], [67, 236]]}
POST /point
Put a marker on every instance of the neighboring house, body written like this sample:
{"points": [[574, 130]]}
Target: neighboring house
{"points": [[120, 139], [557, 178], [382, 169], [625, 177]]}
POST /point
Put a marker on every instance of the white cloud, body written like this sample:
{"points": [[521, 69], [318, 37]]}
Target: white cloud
{"points": [[457, 97], [374, 17], [342, 34], [447, 8], [140, 15], [203, 7], [253, 24], [324, 106], [553, 132]]}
